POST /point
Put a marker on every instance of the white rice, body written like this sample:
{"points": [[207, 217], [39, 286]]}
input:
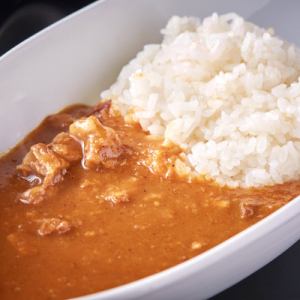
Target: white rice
{"points": [[227, 91]]}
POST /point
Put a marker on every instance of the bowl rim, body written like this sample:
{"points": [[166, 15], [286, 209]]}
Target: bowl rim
{"points": [[19, 47]]}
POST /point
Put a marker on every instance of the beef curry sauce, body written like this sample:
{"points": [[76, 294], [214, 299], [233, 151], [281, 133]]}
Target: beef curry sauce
{"points": [[97, 203]]}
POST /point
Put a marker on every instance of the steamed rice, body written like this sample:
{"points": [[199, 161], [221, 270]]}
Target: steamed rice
{"points": [[227, 91]]}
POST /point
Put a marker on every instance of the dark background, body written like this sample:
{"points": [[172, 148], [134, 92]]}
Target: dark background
{"points": [[279, 279]]}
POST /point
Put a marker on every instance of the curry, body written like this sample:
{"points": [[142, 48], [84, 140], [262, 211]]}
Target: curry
{"points": [[89, 202]]}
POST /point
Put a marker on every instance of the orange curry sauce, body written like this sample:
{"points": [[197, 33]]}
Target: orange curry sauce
{"points": [[101, 243]]}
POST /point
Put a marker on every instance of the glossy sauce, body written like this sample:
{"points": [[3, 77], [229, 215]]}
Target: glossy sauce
{"points": [[166, 220]]}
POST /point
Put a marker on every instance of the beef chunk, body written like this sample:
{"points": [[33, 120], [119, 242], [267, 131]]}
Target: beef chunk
{"points": [[67, 147], [49, 163], [117, 197], [101, 144], [53, 226], [246, 210], [44, 161], [34, 195], [88, 139]]}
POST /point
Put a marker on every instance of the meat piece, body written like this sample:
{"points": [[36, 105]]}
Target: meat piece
{"points": [[117, 197], [52, 159], [65, 146], [246, 210], [248, 206], [90, 126], [48, 164], [33, 195], [101, 144], [88, 139], [44, 161], [122, 193], [54, 226], [164, 161], [112, 156]]}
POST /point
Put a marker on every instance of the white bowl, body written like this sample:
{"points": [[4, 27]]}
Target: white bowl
{"points": [[73, 60]]}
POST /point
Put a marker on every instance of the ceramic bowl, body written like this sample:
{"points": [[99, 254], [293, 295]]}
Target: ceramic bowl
{"points": [[74, 59]]}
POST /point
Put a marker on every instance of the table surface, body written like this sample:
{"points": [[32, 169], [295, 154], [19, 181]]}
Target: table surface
{"points": [[279, 279]]}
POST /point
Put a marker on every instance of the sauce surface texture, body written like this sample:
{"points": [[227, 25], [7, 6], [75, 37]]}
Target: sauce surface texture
{"points": [[100, 228]]}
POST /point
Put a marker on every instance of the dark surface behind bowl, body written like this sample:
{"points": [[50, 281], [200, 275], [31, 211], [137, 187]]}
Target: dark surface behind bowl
{"points": [[20, 19]]}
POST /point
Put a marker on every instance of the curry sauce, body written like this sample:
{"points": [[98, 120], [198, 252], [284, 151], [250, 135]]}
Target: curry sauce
{"points": [[129, 217]]}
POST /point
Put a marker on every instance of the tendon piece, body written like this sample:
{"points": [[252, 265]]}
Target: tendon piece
{"points": [[246, 210], [34, 195], [116, 197], [48, 163], [100, 144], [67, 147], [53, 226], [249, 206], [44, 161], [97, 145], [164, 161], [113, 155]]}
